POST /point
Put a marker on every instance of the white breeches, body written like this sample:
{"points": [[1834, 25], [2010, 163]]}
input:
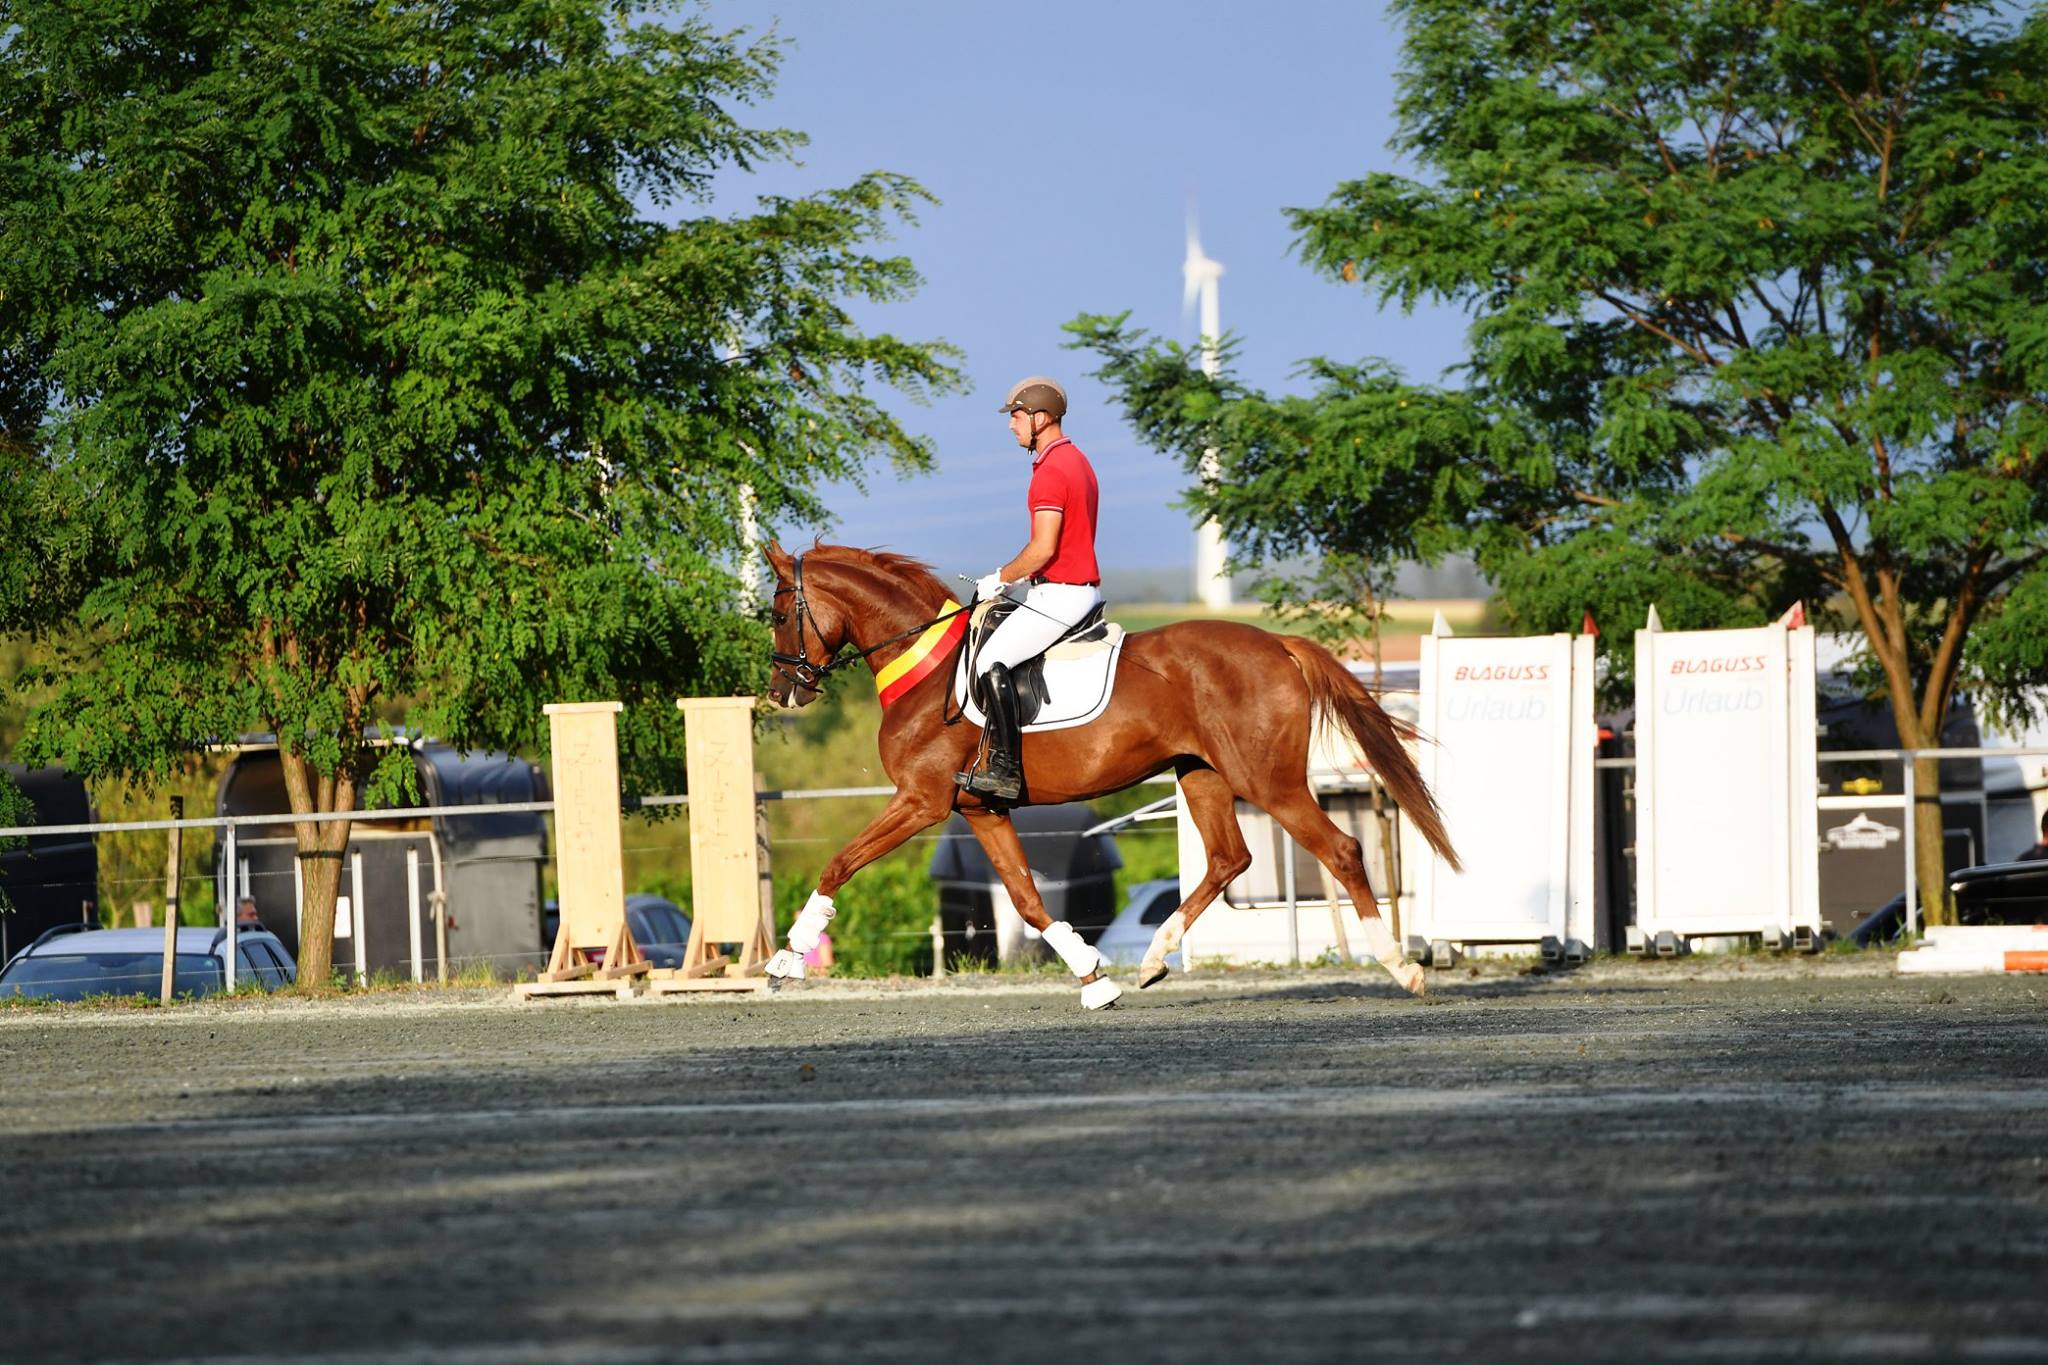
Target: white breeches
{"points": [[1048, 611]]}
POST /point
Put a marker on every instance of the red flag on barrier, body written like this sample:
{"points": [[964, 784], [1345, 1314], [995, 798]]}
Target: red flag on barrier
{"points": [[1586, 626]]}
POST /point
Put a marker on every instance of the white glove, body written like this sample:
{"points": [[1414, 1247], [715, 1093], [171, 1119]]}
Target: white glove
{"points": [[989, 586]]}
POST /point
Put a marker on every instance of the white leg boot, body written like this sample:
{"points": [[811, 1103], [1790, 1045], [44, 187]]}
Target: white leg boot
{"points": [[811, 921], [1097, 990]]}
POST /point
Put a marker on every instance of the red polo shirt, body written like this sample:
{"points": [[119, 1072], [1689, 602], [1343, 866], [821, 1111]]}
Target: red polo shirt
{"points": [[1063, 481]]}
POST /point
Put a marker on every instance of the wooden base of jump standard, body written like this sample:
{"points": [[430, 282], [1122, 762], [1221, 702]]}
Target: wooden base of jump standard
{"points": [[658, 982], [617, 969], [678, 980], [618, 988], [707, 968]]}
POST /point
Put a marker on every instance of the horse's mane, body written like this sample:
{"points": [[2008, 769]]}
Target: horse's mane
{"points": [[912, 573]]}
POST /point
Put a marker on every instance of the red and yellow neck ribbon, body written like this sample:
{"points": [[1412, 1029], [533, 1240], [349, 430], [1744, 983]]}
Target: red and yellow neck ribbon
{"points": [[926, 653]]}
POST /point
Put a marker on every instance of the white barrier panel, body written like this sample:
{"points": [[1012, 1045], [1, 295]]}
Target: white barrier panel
{"points": [[1726, 842], [1511, 764], [1966, 949]]}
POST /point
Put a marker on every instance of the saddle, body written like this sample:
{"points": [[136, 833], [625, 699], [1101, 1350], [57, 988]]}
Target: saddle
{"points": [[1067, 686]]}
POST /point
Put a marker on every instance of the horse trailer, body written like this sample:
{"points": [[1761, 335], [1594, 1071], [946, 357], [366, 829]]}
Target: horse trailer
{"points": [[488, 865], [1073, 870], [51, 879]]}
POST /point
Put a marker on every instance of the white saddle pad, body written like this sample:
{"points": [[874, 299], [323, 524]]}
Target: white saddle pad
{"points": [[1079, 676]]}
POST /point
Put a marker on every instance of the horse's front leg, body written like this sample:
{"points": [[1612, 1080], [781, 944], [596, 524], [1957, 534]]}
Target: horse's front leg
{"points": [[904, 816], [998, 839]]}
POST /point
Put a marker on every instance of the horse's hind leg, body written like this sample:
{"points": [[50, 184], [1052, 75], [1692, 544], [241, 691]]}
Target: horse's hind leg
{"points": [[998, 839], [1296, 810], [1213, 808]]}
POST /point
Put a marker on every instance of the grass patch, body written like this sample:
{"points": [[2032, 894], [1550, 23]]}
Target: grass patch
{"points": [[108, 1000]]}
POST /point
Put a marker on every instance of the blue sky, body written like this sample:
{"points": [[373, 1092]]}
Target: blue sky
{"points": [[1064, 141]]}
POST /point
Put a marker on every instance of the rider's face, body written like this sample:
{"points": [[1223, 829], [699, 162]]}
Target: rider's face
{"points": [[1021, 424]]}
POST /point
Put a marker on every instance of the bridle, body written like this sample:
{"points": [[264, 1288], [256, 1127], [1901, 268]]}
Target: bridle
{"points": [[799, 668]]}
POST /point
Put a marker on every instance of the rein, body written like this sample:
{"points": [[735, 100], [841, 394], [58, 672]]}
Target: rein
{"points": [[799, 668]]}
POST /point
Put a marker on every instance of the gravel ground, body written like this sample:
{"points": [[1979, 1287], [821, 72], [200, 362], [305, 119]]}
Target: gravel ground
{"points": [[1748, 1158]]}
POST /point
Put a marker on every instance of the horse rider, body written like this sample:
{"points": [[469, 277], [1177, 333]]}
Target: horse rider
{"points": [[1053, 579]]}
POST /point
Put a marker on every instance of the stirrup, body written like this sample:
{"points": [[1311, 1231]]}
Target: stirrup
{"points": [[984, 782]]}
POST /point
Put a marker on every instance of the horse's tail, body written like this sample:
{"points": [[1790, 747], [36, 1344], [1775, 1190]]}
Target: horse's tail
{"points": [[1335, 697]]}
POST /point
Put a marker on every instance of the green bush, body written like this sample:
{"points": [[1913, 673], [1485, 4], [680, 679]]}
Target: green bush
{"points": [[885, 913], [1150, 852], [885, 916]]}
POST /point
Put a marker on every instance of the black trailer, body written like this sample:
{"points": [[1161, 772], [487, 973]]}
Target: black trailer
{"points": [[489, 865], [55, 878], [1074, 872]]}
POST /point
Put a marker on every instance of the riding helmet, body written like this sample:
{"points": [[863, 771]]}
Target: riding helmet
{"points": [[1036, 393]]}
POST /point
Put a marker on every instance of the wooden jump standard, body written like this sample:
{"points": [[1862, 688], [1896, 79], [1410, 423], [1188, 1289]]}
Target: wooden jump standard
{"points": [[732, 900]]}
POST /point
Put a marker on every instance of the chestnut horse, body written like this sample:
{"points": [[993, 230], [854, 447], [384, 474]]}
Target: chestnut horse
{"points": [[1226, 706]]}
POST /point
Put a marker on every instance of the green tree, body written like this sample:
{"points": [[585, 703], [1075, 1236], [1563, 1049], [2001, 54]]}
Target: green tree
{"points": [[354, 324], [1759, 300]]}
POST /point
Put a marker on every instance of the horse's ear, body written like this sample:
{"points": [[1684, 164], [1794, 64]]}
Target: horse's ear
{"points": [[778, 559]]}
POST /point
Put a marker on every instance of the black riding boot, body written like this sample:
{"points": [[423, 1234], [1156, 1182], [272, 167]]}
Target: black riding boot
{"points": [[1002, 777]]}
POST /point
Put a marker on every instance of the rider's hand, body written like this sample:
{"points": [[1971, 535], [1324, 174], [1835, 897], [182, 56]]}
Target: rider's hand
{"points": [[989, 586]]}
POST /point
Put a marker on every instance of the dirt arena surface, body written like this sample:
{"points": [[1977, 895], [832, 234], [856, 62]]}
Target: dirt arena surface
{"points": [[1746, 1160]]}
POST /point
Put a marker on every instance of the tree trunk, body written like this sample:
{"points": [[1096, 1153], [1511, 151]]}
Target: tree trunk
{"points": [[322, 845], [1929, 863], [1929, 875], [320, 876]]}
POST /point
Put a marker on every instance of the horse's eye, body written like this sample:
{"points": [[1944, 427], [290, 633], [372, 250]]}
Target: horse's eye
{"points": [[780, 619]]}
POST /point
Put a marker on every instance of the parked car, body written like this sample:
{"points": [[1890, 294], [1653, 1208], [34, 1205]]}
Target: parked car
{"points": [[1996, 893], [72, 962], [659, 926], [1146, 907]]}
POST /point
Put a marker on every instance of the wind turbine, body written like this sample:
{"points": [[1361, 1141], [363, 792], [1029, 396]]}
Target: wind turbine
{"points": [[1199, 275]]}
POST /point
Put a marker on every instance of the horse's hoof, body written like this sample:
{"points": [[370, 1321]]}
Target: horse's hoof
{"points": [[1151, 974], [1412, 980], [1100, 994]]}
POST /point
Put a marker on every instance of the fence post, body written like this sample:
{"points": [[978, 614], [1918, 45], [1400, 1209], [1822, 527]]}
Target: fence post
{"points": [[412, 910], [171, 902], [233, 904], [355, 886], [1293, 906], [440, 904], [764, 854], [1912, 859]]}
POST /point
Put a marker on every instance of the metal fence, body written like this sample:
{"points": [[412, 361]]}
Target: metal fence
{"points": [[428, 911], [1906, 799], [433, 909]]}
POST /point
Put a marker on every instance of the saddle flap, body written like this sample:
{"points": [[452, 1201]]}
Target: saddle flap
{"points": [[1111, 635], [1068, 685]]}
